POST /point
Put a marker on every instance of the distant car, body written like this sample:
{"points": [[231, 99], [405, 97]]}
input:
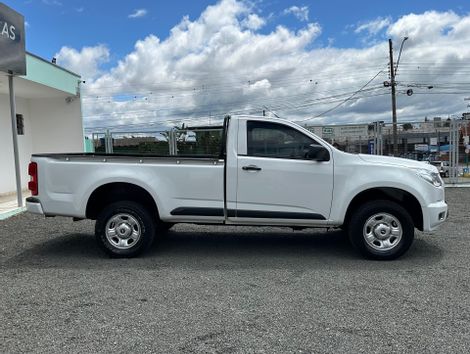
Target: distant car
{"points": [[443, 167], [188, 137]]}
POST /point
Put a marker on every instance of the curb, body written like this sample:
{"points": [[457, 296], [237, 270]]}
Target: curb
{"points": [[11, 213]]}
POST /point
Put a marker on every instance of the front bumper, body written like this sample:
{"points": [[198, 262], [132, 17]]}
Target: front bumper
{"points": [[33, 205], [434, 215]]}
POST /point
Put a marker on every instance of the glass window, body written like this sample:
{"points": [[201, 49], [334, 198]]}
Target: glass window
{"points": [[265, 139]]}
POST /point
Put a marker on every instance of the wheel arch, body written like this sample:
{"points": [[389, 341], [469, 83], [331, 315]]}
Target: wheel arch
{"points": [[118, 191], [404, 198]]}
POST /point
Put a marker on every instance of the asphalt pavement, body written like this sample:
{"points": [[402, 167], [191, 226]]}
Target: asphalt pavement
{"points": [[233, 289]]}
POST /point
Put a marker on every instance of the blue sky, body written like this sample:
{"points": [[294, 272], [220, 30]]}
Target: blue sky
{"points": [[145, 63], [78, 23]]}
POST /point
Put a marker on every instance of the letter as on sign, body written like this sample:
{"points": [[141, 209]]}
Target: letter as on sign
{"points": [[8, 31], [12, 33], [5, 30]]}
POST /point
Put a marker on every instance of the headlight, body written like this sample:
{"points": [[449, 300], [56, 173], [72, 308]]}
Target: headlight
{"points": [[432, 177]]}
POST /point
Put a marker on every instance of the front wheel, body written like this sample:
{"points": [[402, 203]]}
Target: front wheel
{"points": [[381, 230], [125, 229]]}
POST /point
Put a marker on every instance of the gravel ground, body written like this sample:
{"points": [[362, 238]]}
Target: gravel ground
{"points": [[227, 289]]}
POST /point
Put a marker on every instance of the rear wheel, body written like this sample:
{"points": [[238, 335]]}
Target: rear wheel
{"points": [[381, 229], [125, 229], [164, 227]]}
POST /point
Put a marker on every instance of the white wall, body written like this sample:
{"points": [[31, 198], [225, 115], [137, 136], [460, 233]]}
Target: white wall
{"points": [[57, 125], [7, 161], [50, 125]]}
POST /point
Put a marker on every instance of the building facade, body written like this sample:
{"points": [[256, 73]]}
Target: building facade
{"points": [[49, 117]]}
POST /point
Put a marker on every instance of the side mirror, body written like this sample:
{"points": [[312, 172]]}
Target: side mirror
{"points": [[317, 153]]}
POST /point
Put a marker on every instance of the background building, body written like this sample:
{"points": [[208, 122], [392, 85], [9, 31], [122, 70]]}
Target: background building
{"points": [[49, 117]]}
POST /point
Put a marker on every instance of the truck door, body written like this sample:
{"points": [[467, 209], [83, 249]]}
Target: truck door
{"points": [[276, 183]]}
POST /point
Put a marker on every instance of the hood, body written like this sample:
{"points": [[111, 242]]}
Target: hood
{"points": [[396, 161]]}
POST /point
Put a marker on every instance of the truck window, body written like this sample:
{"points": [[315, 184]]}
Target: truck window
{"points": [[265, 139]]}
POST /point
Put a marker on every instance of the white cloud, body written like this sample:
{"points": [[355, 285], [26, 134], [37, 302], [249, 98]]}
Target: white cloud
{"points": [[429, 26], [262, 86], [85, 62], [253, 22], [220, 63], [138, 13], [300, 12], [52, 2], [373, 27]]}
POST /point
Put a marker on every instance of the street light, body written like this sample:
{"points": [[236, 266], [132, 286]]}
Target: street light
{"points": [[399, 53]]}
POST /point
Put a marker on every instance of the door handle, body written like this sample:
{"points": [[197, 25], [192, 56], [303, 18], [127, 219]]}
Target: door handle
{"points": [[251, 168]]}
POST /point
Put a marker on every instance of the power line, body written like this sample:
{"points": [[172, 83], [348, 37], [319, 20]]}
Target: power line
{"points": [[214, 77], [192, 118], [346, 100], [260, 103], [169, 90]]}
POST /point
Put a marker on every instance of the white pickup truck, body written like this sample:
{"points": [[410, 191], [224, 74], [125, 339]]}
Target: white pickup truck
{"points": [[268, 172]]}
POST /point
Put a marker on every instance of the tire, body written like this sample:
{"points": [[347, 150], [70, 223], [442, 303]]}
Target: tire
{"points": [[381, 230], [164, 227], [125, 229]]}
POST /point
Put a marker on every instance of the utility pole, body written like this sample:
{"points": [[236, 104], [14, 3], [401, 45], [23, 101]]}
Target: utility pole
{"points": [[393, 72], [394, 99]]}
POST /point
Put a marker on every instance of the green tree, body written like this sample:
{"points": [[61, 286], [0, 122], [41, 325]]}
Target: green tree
{"points": [[407, 126]]}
